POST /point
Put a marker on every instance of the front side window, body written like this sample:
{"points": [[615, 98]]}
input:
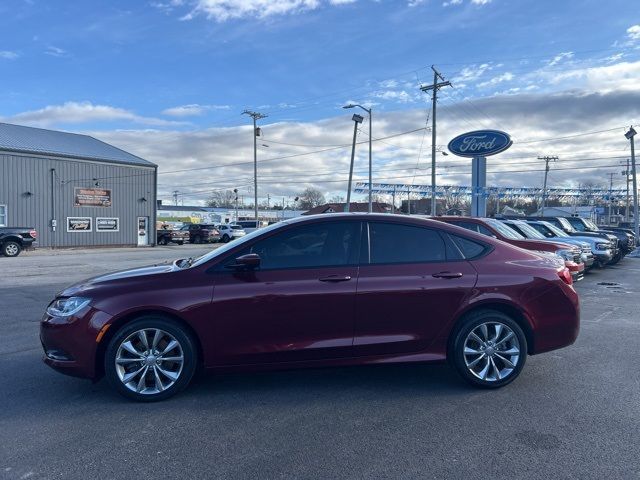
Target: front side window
{"points": [[3, 215], [309, 246], [396, 243]]}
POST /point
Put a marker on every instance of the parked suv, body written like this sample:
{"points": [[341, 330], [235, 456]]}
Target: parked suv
{"points": [[585, 225], [230, 231], [202, 233], [528, 231], [14, 239], [250, 225], [564, 224], [496, 229], [600, 247]]}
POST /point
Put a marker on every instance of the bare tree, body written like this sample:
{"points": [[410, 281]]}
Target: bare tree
{"points": [[222, 199], [311, 197], [336, 199]]}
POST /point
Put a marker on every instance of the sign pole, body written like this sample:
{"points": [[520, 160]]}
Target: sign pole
{"points": [[478, 186]]}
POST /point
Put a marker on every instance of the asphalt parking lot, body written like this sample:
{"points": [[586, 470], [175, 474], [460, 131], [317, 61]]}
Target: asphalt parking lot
{"points": [[573, 413]]}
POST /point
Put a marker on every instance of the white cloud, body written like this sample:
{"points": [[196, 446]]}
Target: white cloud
{"points": [[401, 96], [8, 55], [480, 2], [82, 112], [617, 77], [633, 32], [452, 2], [55, 51], [505, 77], [223, 10], [560, 57], [192, 110]]}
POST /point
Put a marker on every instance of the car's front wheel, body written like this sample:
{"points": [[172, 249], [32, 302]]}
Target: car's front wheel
{"points": [[150, 359], [489, 349], [11, 249]]}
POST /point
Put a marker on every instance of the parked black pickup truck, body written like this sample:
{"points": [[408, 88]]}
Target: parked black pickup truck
{"points": [[15, 239], [167, 235]]}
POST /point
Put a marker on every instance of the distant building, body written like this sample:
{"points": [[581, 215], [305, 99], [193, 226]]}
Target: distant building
{"points": [[198, 214], [376, 207], [75, 190]]}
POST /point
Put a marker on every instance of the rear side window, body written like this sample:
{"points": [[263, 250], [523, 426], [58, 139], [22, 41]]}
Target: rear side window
{"points": [[395, 243], [469, 248]]}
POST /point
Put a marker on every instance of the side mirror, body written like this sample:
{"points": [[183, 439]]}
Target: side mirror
{"points": [[249, 261]]}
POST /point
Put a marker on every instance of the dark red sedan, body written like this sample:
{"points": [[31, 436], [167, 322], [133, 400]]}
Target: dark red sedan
{"points": [[337, 289]]}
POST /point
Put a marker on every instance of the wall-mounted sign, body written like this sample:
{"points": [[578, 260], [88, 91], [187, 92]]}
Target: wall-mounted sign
{"points": [[480, 143], [104, 224], [79, 224], [92, 197]]}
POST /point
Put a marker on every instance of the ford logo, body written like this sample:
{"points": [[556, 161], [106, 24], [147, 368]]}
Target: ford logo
{"points": [[480, 143]]}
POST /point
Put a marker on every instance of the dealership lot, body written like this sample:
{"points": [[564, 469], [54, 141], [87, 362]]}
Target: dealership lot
{"points": [[573, 413]]}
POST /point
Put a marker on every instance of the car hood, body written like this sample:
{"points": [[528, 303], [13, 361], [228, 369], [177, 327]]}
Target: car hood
{"points": [[95, 282]]}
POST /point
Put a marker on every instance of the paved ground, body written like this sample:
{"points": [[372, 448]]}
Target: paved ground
{"points": [[574, 413]]}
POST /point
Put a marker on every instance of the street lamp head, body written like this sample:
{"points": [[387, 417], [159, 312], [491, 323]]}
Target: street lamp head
{"points": [[357, 118], [445, 154], [630, 134], [351, 105]]}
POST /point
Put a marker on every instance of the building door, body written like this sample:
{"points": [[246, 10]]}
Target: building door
{"points": [[143, 231]]}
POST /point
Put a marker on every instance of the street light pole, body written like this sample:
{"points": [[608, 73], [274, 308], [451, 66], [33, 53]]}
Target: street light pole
{"points": [[255, 116], [368, 110], [630, 134], [356, 120]]}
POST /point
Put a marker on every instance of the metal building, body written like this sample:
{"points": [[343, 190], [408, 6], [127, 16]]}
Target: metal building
{"points": [[74, 189]]}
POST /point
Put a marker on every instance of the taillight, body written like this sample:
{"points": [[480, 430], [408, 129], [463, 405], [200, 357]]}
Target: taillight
{"points": [[33, 234], [565, 276]]}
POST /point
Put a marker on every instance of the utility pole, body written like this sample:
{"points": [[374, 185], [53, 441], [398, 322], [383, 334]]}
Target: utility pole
{"points": [[611, 174], [256, 133], [235, 190], [435, 86], [626, 174], [175, 197], [356, 120], [546, 174], [629, 135]]}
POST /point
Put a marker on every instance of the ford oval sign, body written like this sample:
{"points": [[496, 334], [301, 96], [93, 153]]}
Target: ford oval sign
{"points": [[480, 143]]}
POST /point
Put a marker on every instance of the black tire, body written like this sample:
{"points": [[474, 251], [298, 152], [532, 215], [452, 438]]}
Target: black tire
{"points": [[616, 259], [225, 238], [180, 243], [162, 241], [11, 249], [457, 346], [185, 341], [197, 239]]}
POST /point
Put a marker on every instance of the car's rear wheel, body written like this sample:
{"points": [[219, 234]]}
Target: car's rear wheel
{"points": [[150, 359], [197, 239], [225, 238], [489, 349], [11, 249], [163, 241]]}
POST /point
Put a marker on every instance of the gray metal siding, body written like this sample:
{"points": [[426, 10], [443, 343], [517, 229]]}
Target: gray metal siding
{"points": [[20, 174]]}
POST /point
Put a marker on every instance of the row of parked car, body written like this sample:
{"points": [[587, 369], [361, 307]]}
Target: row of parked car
{"points": [[206, 233], [579, 242]]}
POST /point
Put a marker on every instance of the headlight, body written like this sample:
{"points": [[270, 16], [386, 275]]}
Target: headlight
{"points": [[65, 307], [565, 254]]}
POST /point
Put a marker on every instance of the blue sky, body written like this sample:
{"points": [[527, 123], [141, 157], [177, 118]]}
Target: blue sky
{"points": [[143, 73]]}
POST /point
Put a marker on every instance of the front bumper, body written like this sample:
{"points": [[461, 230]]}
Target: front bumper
{"points": [[588, 259], [70, 343]]}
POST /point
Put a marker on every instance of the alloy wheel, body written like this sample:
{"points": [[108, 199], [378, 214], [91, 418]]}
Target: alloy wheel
{"points": [[11, 250], [149, 361], [491, 351]]}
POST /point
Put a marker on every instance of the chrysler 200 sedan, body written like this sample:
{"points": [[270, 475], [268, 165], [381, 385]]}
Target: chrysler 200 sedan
{"points": [[338, 289]]}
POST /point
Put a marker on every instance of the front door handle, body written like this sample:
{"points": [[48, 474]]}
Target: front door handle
{"points": [[335, 278], [447, 275]]}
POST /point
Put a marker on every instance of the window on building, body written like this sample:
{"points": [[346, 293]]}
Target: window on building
{"points": [[3, 215]]}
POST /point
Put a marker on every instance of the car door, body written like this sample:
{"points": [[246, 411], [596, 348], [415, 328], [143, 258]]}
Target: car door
{"points": [[409, 288], [298, 305]]}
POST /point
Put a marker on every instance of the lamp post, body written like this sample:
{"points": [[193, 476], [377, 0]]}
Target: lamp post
{"points": [[368, 110], [235, 190], [356, 120], [256, 133], [629, 135]]}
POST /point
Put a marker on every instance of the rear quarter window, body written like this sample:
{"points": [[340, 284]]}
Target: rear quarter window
{"points": [[470, 249]]}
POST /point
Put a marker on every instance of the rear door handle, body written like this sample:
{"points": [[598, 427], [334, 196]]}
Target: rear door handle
{"points": [[335, 278], [447, 275]]}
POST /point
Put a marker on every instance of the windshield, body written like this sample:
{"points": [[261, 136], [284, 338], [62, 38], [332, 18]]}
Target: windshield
{"points": [[555, 230], [228, 246], [591, 225], [529, 231], [566, 225], [504, 230]]}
